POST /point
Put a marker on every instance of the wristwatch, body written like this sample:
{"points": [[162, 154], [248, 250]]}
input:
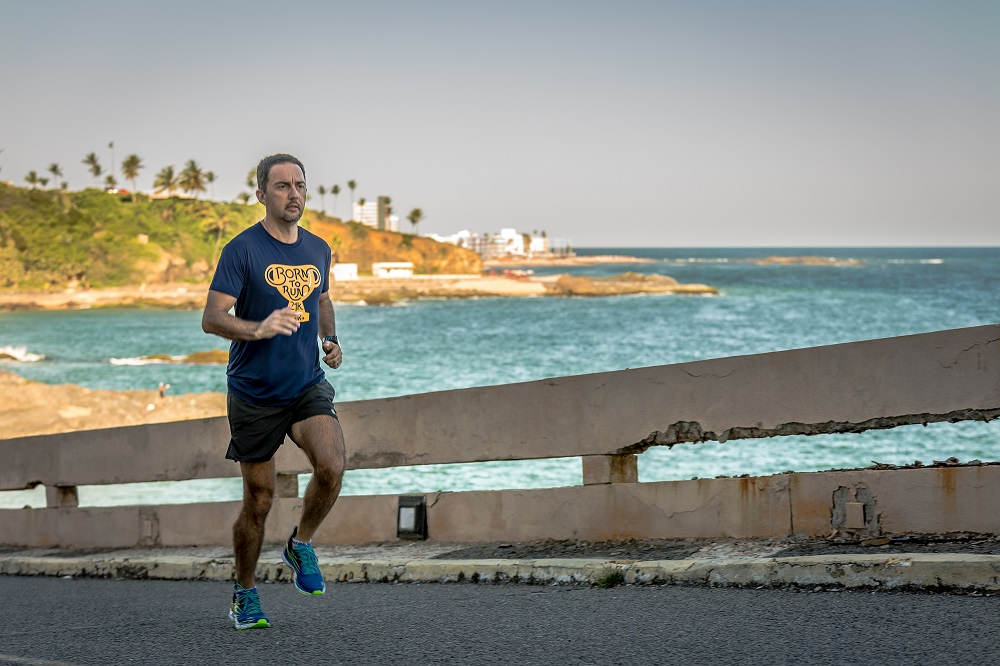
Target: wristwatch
{"points": [[332, 338]]}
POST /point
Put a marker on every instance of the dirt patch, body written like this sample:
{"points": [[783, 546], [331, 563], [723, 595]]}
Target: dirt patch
{"points": [[645, 549], [966, 544]]}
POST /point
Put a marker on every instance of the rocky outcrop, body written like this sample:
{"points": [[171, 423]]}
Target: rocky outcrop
{"points": [[34, 408], [627, 283]]}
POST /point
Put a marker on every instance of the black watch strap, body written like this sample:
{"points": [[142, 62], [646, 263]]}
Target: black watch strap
{"points": [[332, 338]]}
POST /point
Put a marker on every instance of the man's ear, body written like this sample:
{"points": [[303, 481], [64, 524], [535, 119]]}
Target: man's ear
{"points": [[260, 196]]}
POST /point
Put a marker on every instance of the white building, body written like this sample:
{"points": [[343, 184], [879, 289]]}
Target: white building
{"points": [[376, 214], [508, 243], [366, 214], [342, 272], [392, 269], [539, 245]]}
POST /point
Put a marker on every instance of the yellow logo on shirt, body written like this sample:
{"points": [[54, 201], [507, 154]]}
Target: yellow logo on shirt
{"points": [[294, 283]]}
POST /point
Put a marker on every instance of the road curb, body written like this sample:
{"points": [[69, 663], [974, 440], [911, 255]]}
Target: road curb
{"points": [[914, 571]]}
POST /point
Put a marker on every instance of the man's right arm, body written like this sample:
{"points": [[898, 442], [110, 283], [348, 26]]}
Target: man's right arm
{"points": [[218, 321]]}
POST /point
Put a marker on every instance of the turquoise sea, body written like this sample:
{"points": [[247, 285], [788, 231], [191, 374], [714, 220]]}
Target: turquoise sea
{"points": [[434, 345]]}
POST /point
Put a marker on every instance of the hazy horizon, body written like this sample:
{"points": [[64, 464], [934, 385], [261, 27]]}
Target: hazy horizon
{"points": [[633, 124]]}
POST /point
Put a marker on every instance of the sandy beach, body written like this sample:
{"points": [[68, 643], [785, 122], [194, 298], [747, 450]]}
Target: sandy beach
{"points": [[192, 296]]}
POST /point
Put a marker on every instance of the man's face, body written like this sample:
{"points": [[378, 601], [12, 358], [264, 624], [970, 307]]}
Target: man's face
{"points": [[285, 198]]}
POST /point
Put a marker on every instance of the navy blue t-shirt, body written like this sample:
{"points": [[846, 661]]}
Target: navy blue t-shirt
{"points": [[264, 275]]}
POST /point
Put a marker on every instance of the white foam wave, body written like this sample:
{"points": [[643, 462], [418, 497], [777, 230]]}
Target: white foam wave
{"points": [[142, 361], [19, 354], [707, 260]]}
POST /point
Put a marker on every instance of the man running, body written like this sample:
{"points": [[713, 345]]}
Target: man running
{"points": [[276, 275]]}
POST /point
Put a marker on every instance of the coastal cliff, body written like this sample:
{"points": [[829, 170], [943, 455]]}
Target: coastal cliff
{"points": [[90, 238], [69, 250]]}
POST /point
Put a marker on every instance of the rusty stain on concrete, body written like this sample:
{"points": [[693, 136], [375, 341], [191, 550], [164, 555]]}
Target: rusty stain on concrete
{"points": [[947, 475]]}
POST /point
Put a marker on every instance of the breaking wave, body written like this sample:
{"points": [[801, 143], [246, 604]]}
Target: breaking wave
{"points": [[19, 354]]}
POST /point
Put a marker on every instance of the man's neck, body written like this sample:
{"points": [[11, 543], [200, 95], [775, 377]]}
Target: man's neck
{"points": [[280, 230]]}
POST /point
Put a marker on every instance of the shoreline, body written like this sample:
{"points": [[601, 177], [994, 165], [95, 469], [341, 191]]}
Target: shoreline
{"points": [[515, 281], [192, 296], [366, 290]]}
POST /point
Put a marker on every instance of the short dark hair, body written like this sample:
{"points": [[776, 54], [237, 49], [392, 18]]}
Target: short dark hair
{"points": [[264, 168]]}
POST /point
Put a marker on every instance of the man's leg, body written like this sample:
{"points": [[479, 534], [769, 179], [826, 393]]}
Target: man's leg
{"points": [[248, 531], [322, 440]]}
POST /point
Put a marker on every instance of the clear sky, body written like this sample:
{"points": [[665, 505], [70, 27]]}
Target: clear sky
{"points": [[626, 123]]}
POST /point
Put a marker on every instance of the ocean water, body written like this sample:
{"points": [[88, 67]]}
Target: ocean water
{"points": [[434, 345]]}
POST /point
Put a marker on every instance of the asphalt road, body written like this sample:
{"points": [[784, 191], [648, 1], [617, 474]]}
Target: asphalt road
{"points": [[54, 622]]}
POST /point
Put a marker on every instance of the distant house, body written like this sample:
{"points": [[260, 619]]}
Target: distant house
{"points": [[511, 243], [508, 243], [344, 272], [392, 269], [168, 194], [539, 245]]}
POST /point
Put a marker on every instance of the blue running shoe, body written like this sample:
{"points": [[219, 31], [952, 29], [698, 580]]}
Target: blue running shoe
{"points": [[305, 567], [246, 612]]}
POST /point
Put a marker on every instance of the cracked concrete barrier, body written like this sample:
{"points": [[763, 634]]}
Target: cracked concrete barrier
{"points": [[942, 376]]}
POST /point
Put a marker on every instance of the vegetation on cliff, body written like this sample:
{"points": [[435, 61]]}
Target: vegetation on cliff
{"points": [[93, 238]]}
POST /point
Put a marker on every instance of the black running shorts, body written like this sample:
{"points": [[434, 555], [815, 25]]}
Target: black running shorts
{"points": [[257, 432]]}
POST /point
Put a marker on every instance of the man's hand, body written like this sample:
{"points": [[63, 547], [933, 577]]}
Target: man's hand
{"points": [[284, 321], [334, 355]]}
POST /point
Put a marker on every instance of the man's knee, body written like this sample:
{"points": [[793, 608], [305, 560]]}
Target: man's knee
{"points": [[257, 505], [329, 469]]}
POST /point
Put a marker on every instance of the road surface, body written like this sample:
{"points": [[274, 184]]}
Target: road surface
{"points": [[58, 622]]}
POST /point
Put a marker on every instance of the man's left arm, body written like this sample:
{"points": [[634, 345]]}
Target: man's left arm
{"points": [[334, 356]]}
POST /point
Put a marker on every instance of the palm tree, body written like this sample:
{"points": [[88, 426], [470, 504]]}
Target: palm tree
{"points": [[110, 183], [252, 178], [387, 219], [166, 180], [351, 185], [192, 178], [322, 197], [130, 169], [31, 179], [55, 171], [43, 181], [335, 190], [111, 145], [94, 166], [220, 228], [415, 216], [210, 179], [244, 197]]}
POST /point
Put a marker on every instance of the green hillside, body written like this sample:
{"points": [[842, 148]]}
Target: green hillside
{"points": [[90, 237]]}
